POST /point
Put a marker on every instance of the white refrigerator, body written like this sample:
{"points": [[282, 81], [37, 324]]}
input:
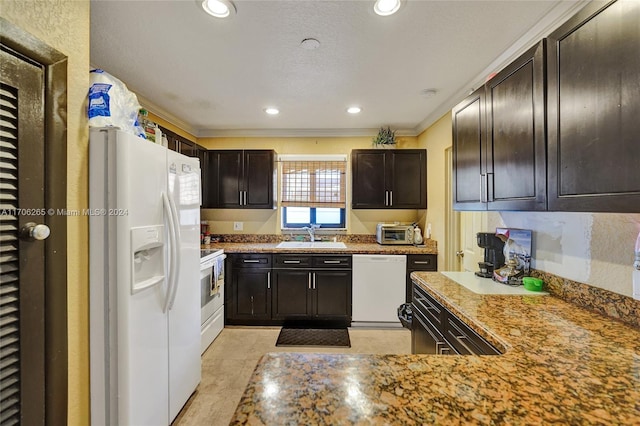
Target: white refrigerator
{"points": [[144, 226]]}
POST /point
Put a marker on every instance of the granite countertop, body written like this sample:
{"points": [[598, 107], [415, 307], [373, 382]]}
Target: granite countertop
{"points": [[562, 364], [429, 247]]}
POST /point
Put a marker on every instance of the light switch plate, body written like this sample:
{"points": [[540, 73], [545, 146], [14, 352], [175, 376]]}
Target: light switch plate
{"points": [[238, 226]]}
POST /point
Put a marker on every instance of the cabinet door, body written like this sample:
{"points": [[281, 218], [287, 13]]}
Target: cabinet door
{"points": [[516, 139], [228, 179], [332, 295], [258, 178], [205, 181], [469, 157], [292, 294], [172, 141], [594, 110], [368, 179], [188, 148], [251, 294], [212, 176], [406, 177]]}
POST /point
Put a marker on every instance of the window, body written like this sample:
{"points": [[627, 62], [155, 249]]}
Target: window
{"points": [[313, 191]]}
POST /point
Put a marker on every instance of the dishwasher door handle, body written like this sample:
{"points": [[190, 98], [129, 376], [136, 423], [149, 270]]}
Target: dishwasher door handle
{"points": [[381, 259]]}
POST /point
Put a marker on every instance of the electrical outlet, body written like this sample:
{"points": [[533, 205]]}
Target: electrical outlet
{"points": [[237, 226]]}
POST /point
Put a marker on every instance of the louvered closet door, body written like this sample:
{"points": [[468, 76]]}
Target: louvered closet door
{"points": [[22, 338]]}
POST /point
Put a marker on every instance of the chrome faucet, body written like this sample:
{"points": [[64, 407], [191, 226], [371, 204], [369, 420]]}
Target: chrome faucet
{"points": [[312, 231]]}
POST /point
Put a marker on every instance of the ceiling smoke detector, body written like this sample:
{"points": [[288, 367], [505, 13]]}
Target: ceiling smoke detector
{"points": [[386, 7], [428, 93], [310, 44]]}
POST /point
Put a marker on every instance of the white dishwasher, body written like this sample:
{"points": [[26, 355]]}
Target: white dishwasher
{"points": [[379, 283]]}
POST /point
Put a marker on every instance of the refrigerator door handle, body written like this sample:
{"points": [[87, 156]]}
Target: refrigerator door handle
{"points": [[176, 252], [172, 249]]}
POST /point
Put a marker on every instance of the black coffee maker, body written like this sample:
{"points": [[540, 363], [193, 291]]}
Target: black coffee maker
{"points": [[493, 256]]}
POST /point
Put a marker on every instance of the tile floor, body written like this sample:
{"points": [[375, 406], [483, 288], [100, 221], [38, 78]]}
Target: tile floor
{"points": [[229, 362]]}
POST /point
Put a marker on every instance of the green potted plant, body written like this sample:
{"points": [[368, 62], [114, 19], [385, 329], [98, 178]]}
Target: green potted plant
{"points": [[386, 138]]}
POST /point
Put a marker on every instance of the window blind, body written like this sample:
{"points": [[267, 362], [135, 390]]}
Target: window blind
{"points": [[313, 184]]}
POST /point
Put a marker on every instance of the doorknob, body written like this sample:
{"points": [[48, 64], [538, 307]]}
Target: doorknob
{"points": [[32, 231], [460, 253]]}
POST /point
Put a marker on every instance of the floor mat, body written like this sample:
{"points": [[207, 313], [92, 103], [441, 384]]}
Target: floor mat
{"points": [[314, 337]]}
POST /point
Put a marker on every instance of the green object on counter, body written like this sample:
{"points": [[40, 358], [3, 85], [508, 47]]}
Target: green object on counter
{"points": [[532, 284]]}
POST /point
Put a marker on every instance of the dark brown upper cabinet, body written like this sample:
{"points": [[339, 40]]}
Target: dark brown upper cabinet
{"points": [[240, 179], [179, 144], [499, 140], [469, 140], [388, 179], [594, 110]]}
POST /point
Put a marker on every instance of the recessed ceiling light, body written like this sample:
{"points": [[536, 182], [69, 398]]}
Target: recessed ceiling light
{"points": [[354, 110], [386, 7], [272, 111], [219, 8]]}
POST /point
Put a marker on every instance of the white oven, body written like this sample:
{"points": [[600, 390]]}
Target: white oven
{"points": [[211, 296]]}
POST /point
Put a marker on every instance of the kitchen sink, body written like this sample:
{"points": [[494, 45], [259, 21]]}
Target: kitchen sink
{"points": [[311, 245]]}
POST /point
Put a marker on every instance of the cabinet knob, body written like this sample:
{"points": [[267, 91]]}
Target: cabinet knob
{"points": [[460, 253]]}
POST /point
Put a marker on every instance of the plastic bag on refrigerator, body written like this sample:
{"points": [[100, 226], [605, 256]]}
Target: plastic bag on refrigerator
{"points": [[111, 103]]}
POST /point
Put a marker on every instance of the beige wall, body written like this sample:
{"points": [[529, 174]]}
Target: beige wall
{"points": [[64, 25], [436, 139], [268, 221]]}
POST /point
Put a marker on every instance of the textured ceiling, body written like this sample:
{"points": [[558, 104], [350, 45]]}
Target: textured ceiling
{"points": [[215, 77]]}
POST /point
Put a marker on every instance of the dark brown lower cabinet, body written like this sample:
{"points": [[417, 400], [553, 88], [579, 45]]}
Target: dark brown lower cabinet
{"points": [[332, 299], [425, 337], [265, 289], [291, 294], [435, 330], [248, 289], [308, 288], [419, 262], [252, 294]]}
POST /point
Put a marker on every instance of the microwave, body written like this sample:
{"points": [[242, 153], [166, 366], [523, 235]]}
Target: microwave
{"points": [[394, 233]]}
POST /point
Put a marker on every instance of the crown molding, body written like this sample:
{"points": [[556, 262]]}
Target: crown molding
{"points": [[295, 133], [551, 21], [165, 115]]}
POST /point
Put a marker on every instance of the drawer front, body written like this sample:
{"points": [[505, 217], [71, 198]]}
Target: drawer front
{"points": [[337, 261], [422, 262], [428, 307], [292, 261], [465, 340], [426, 338], [254, 260]]}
